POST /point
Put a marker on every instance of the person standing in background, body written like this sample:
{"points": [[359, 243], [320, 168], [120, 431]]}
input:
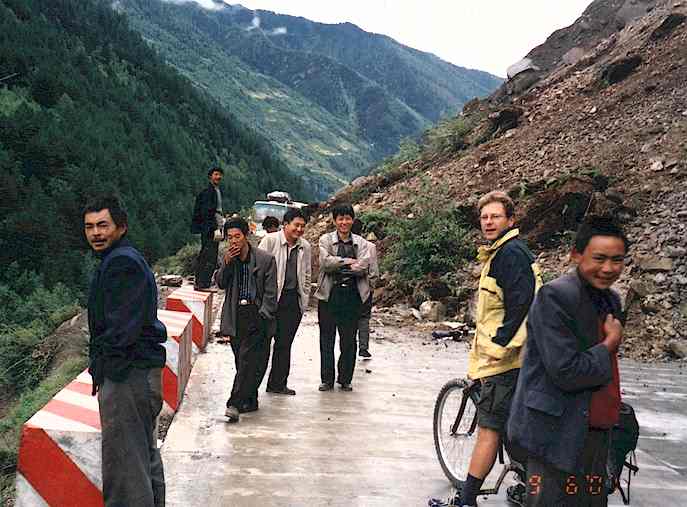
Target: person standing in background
{"points": [[270, 224], [292, 254], [342, 287], [207, 218], [366, 309]]}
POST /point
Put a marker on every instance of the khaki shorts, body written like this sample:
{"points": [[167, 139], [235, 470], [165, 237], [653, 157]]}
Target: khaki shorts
{"points": [[496, 394]]}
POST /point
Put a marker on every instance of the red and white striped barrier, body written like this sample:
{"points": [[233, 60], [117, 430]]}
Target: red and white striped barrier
{"points": [[199, 304], [59, 461], [59, 452], [179, 361]]}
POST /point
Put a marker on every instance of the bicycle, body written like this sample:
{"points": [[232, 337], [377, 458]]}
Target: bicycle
{"points": [[455, 425]]}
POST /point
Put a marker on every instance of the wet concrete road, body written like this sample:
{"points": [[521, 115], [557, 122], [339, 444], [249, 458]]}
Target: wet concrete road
{"points": [[372, 446]]}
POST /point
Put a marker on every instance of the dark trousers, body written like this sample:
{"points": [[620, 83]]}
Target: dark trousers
{"points": [[246, 346], [364, 325], [550, 487], [206, 262], [345, 320], [132, 470], [288, 319]]}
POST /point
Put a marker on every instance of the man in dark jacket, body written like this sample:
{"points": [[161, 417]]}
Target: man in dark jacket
{"points": [[249, 277], [207, 218], [126, 357], [568, 394]]}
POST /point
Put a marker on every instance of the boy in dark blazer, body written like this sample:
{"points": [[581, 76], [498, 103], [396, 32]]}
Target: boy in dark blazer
{"points": [[568, 394]]}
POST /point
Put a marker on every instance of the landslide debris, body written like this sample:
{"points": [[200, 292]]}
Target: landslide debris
{"points": [[605, 132]]}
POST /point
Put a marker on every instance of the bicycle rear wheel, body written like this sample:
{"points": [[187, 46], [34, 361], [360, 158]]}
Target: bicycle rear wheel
{"points": [[455, 425]]}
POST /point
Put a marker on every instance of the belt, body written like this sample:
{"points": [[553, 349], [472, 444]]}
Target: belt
{"points": [[245, 302]]}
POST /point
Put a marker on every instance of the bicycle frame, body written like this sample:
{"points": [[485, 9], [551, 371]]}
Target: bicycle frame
{"points": [[469, 393]]}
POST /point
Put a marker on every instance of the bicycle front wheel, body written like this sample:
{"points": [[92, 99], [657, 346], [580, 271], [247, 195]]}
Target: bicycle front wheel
{"points": [[455, 425]]}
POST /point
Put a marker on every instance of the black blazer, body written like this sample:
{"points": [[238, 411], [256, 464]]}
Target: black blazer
{"points": [[204, 209], [550, 409]]}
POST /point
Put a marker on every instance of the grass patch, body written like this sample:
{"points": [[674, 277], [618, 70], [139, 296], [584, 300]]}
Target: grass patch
{"points": [[181, 263], [21, 411], [434, 242]]}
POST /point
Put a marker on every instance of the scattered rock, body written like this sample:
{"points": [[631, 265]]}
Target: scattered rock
{"points": [[678, 347], [650, 305], [433, 310], [642, 289], [676, 251], [653, 263], [171, 280]]}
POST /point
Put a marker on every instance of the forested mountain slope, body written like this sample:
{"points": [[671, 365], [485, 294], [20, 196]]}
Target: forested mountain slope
{"points": [[333, 98], [85, 106]]}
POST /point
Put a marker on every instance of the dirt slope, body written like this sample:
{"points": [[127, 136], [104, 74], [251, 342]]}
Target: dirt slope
{"points": [[606, 133]]}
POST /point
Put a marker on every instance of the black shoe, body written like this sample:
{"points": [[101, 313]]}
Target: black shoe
{"points": [[283, 390], [325, 387], [346, 387], [249, 406], [232, 413], [365, 354]]}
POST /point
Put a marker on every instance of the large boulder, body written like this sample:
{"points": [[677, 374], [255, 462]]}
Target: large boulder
{"points": [[669, 24], [620, 69], [521, 66]]}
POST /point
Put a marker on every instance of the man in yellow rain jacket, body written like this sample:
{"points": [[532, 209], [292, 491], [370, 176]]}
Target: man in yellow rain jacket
{"points": [[508, 283]]}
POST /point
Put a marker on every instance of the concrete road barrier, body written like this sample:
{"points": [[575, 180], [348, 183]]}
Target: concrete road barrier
{"points": [[199, 304], [179, 361], [59, 461], [59, 452]]}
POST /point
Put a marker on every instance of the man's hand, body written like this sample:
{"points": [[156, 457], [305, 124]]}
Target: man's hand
{"points": [[613, 331], [349, 261], [231, 253]]}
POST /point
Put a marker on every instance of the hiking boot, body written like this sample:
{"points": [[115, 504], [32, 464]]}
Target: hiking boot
{"points": [[325, 387], [232, 413], [364, 354]]}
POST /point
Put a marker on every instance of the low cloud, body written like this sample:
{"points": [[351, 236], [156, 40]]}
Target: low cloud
{"points": [[254, 24], [216, 5], [211, 5]]}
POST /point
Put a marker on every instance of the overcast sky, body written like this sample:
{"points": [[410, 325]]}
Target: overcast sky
{"points": [[480, 34]]}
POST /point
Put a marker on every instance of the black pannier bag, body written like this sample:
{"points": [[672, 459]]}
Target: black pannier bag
{"points": [[621, 452]]}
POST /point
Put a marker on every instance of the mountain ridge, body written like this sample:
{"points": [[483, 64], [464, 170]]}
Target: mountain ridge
{"points": [[318, 64]]}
